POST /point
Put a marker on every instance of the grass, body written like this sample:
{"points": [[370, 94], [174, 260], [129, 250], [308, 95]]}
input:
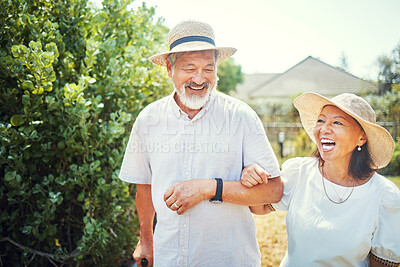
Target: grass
{"points": [[272, 237]]}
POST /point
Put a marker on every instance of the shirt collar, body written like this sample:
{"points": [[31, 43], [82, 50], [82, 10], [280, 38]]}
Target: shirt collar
{"points": [[175, 108]]}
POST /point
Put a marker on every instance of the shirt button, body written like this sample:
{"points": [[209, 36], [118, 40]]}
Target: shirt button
{"points": [[184, 226], [183, 250]]}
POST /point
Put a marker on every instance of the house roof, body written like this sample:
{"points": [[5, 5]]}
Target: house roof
{"points": [[311, 74], [250, 82]]}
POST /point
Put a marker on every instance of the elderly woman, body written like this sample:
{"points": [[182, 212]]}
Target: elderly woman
{"points": [[340, 211]]}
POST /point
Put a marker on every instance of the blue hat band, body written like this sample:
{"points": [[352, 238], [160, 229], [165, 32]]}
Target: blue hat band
{"points": [[188, 39]]}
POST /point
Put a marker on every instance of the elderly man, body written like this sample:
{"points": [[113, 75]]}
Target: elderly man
{"points": [[186, 153]]}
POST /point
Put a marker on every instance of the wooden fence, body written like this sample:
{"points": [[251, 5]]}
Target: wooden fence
{"points": [[290, 129]]}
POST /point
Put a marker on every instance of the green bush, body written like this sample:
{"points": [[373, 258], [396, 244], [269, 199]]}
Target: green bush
{"points": [[300, 146], [387, 109], [229, 75], [394, 166], [72, 80]]}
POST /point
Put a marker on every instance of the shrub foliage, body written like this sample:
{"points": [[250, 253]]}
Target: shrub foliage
{"points": [[230, 75], [72, 80]]}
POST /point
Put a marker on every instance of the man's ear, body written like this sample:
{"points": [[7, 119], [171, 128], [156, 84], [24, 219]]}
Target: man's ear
{"points": [[169, 69]]}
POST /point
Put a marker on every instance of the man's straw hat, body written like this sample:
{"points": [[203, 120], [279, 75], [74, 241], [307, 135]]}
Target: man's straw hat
{"points": [[192, 35], [379, 141]]}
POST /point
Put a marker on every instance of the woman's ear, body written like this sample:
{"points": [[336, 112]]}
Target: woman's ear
{"points": [[363, 139]]}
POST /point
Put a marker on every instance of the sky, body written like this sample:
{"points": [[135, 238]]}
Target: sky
{"points": [[273, 35]]}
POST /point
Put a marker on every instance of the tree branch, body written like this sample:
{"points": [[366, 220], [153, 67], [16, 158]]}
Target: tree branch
{"points": [[40, 253]]}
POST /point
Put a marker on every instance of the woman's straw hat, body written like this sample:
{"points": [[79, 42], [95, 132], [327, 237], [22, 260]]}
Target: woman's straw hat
{"points": [[192, 35], [379, 141]]}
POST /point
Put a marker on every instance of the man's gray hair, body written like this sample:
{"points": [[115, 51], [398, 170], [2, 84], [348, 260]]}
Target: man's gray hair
{"points": [[173, 57]]}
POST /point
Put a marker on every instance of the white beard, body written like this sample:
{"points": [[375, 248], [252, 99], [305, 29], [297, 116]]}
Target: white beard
{"points": [[193, 101]]}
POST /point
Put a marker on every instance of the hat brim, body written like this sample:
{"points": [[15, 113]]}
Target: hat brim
{"points": [[223, 52], [380, 143]]}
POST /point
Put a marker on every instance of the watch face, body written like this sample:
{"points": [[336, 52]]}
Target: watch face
{"points": [[215, 201]]}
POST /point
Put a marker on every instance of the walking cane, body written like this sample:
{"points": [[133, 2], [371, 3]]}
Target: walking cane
{"points": [[144, 263]]}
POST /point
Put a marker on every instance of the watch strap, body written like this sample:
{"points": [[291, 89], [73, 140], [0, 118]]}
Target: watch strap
{"points": [[218, 193]]}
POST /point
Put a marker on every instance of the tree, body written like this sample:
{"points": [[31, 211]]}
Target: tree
{"points": [[389, 71], [343, 62], [72, 80], [229, 75], [387, 103]]}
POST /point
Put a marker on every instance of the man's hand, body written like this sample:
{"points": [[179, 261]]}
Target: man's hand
{"points": [[253, 175], [145, 209], [143, 251], [184, 195]]}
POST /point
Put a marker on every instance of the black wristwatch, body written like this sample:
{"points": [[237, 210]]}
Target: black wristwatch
{"points": [[218, 194]]}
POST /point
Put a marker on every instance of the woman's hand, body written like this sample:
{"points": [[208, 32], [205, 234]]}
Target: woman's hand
{"points": [[253, 175]]}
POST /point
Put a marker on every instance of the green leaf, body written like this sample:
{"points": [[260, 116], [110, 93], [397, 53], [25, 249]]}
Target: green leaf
{"points": [[10, 175], [15, 50], [27, 85], [32, 45], [26, 229], [73, 167], [26, 147], [89, 228], [81, 196], [38, 91], [60, 145], [17, 120], [35, 232], [61, 180], [52, 47], [26, 100], [52, 77], [113, 193], [48, 87], [33, 134], [91, 80]]}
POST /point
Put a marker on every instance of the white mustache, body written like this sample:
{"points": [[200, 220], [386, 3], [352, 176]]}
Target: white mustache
{"points": [[197, 85]]}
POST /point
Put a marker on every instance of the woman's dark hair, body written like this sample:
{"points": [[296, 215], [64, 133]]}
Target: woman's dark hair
{"points": [[361, 165]]}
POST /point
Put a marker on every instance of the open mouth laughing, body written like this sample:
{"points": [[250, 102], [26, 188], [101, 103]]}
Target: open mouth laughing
{"points": [[196, 87], [327, 144]]}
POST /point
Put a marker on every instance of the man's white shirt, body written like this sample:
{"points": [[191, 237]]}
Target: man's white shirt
{"points": [[166, 147]]}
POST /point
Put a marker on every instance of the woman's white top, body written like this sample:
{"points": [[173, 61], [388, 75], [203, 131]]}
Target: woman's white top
{"points": [[322, 233]]}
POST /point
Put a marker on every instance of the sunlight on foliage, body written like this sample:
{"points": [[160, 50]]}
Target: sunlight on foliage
{"points": [[72, 81]]}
